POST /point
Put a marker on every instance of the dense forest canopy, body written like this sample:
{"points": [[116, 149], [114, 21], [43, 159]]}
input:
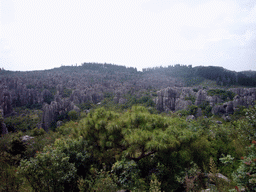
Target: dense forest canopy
{"points": [[219, 74]]}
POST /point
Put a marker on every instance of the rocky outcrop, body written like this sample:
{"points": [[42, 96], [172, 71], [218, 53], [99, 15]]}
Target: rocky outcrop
{"points": [[26, 138], [176, 98], [55, 111], [84, 96], [244, 96], [202, 97], [226, 108], [3, 128], [5, 102]]}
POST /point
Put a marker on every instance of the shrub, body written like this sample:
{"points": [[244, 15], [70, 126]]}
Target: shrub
{"points": [[155, 185], [128, 175], [98, 181], [27, 120], [224, 95], [73, 115], [8, 177], [245, 175], [49, 171], [191, 98], [38, 132], [191, 178]]}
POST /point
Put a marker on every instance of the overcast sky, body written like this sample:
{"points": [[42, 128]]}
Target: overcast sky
{"points": [[36, 35]]}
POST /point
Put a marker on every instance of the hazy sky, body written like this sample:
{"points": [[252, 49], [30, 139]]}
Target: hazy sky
{"points": [[37, 35]]}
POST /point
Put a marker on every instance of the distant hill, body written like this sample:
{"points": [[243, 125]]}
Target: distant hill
{"points": [[194, 75]]}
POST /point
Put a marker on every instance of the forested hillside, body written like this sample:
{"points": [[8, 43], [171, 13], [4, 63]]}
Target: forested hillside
{"points": [[195, 75], [104, 127]]}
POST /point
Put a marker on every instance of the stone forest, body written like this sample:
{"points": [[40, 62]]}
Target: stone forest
{"points": [[104, 127]]}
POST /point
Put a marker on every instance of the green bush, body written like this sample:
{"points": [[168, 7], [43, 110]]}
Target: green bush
{"points": [[8, 178], [39, 142], [224, 95], [192, 109], [128, 175], [73, 115], [25, 120], [247, 125], [250, 116], [48, 99], [98, 181], [17, 146], [245, 175], [76, 150], [191, 98], [38, 132], [49, 170], [85, 106]]}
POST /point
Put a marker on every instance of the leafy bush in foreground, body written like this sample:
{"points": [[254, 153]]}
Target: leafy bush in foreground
{"points": [[49, 170]]}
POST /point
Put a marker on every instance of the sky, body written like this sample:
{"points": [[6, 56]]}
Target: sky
{"points": [[37, 35]]}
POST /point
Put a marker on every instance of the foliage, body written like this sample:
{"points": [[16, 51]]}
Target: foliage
{"points": [[17, 146], [239, 112], [39, 142], [49, 170], [245, 175], [213, 171], [66, 92], [155, 185], [38, 132], [29, 86], [12, 151], [145, 100], [48, 98], [191, 98], [136, 134], [247, 125], [226, 160], [191, 81], [34, 106], [251, 116], [192, 110], [8, 177], [23, 121], [108, 95], [98, 181], [194, 76], [76, 150], [133, 149], [128, 175], [191, 178], [216, 181], [206, 108], [94, 129], [73, 115], [86, 105], [224, 95]]}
